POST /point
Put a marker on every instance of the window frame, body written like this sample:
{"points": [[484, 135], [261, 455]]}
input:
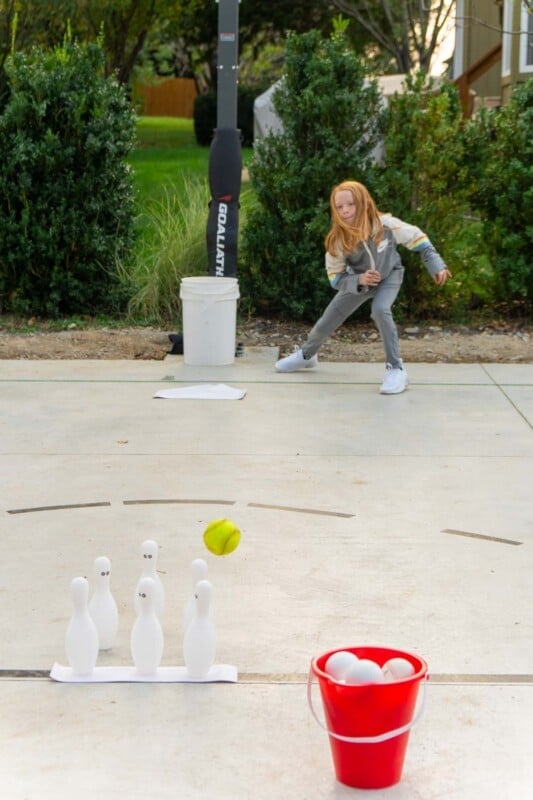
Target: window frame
{"points": [[507, 37], [526, 39]]}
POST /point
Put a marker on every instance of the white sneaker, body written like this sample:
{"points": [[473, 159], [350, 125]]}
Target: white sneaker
{"points": [[295, 362], [395, 381]]}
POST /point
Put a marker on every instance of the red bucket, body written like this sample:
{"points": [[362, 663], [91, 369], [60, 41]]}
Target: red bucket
{"points": [[369, 724]]}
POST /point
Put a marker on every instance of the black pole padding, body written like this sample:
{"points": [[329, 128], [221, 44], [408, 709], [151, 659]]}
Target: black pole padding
{"points": [[225, 168], [225, 163]]}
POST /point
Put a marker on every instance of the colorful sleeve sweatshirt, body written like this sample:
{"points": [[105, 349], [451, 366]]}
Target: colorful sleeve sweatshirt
{"points": [[384, 256]]}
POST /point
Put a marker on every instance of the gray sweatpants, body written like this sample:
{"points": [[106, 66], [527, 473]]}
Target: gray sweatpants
{"points": [[347, 300]]}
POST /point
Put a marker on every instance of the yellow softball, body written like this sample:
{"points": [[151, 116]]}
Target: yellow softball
{"points": [[222, 537]]}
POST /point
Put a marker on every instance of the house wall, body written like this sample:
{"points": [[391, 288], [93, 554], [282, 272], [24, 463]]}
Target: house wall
{"points": [[482, 24], [482, 30], [519, 70]]}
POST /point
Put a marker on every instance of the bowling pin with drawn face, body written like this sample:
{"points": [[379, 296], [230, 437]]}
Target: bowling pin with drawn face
{"points": [[103, 608], [199, 643], [198, 573], [81, 639], [149, 553], [146, 641]]}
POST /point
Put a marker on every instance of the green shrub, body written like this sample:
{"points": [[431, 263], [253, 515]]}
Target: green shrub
{"points": [[425, 180], [330, 111], [175, 249], [66, 196], [205, 118], [504, 195], [245, 111]]}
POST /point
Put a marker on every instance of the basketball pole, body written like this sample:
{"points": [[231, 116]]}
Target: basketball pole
{"points": [[225, 156]]}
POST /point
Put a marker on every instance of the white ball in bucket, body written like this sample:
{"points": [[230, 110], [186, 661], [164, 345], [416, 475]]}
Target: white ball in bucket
{"points": [[339, 663], [364, 671], [397, 668]]}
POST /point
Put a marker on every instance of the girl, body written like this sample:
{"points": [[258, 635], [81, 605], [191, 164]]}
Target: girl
{"points": [[362, 263]]}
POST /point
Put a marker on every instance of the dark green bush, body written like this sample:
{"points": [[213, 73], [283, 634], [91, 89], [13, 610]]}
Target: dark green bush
{"points": [[66, 196], [331, 115], [425, 180], [205, 118], [504, 196], [205, 115], [245, 112]]}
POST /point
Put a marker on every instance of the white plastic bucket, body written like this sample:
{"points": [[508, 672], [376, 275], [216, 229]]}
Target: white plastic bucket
{"points": [[209, 311]]}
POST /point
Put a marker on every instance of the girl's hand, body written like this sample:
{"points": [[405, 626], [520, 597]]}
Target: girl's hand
{"points": [[441, 277], [370, 278]]}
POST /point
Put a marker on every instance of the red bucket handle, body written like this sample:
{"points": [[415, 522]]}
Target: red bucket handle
{"points": [[382, 737]]}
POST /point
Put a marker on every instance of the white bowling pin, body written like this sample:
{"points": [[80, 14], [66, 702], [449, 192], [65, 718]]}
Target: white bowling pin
{"points": [[81, 640], [146, 641], [103, 608], [199, 642], [198, 573], [149, 552]]}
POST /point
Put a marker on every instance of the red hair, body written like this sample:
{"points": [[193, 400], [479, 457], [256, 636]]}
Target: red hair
{"points": [[346, 237]]}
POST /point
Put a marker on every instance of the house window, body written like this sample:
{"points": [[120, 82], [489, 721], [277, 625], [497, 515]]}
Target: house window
{"points": [[526, 40], [507, 37]]}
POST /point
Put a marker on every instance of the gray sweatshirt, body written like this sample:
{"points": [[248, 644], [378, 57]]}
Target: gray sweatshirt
{"points": [[384, 257]]}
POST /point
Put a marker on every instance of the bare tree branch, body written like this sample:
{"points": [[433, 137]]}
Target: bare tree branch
{"points": [[410, 30], [368, 23], [498, 28]]}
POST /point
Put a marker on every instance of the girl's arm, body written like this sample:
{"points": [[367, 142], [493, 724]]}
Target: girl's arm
{"points": [[335, 268], [415, 239]]}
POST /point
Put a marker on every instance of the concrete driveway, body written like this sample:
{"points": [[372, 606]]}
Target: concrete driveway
{"points": [[398, 521]]}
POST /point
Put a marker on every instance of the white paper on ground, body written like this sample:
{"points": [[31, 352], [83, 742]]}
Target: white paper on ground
{"points": [[225, 673], [207, 391]]}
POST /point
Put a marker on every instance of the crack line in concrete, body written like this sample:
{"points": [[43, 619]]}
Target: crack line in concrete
{"points": [[164, 502], [57, 508], [509, 400], [156, 501], [482, 536], [302, 510], [302, 678]]}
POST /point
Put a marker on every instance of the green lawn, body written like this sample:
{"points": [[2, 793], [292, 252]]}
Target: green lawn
{"points": [[165, 156], [165, 160], [165, 132], [157, 169], [171, 182]]}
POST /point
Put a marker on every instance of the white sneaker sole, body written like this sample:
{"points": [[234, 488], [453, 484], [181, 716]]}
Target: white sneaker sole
{"points": [[394, 391], [280, 367]]}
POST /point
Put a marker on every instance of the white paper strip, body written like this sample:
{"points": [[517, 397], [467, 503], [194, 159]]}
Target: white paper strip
{"points": [[218, 673], [207, 391]]}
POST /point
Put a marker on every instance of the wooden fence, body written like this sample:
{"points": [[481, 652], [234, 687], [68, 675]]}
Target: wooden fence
{"points": [[168, 98]]}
